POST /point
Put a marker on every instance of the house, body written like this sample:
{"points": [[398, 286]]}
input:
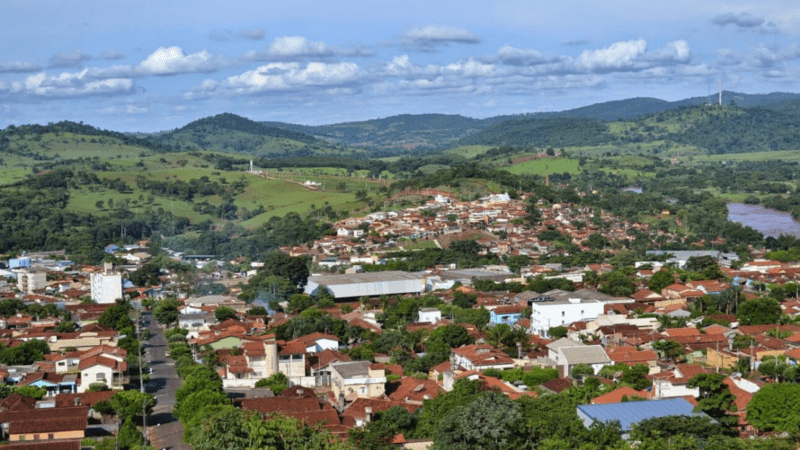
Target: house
{"points": [[412, 390], [567, 353], [480, 357], [619, 395], [102, 368], [674, 383], [360, 412], [351, 380], [317, 342], [74, 444], [429, 315], [630, 413], [506, 314], [45, 424], [52, 382], [560, 308]]}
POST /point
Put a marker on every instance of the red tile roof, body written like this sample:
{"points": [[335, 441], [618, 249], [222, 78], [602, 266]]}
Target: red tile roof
{"points": [[409, 389], [616, 395]]}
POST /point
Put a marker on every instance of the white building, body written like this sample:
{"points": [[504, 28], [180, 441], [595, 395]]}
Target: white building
{"points": [[30, 279], [371, 284], [106, 286], [429, 315], [560, 308]]}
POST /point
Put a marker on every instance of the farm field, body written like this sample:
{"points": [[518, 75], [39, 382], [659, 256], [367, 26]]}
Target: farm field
{"points": [[544, 166]]}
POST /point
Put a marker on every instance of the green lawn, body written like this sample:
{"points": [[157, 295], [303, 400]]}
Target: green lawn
{"points": [[544, 166]]}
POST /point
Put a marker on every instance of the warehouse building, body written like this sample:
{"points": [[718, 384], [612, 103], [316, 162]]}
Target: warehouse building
{"points": [[357, 285]]}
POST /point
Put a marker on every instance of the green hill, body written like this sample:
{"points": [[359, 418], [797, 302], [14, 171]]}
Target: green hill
{"points": [[403, 134], [235, 134]]}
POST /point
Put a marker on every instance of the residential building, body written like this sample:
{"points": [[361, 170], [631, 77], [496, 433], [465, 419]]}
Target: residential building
{"points": [[561, 308], [106, 286], [351, 380]]}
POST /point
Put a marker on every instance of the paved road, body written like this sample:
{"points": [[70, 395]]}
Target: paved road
{"points": [[166, 432]]}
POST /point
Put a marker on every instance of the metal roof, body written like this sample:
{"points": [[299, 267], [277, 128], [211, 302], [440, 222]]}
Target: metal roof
{"points": [[368, 277], [629, 413]]}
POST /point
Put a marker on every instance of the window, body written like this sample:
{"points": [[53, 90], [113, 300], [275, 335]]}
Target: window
{"points": [[563, 313], [362, 390], [51, 436]]}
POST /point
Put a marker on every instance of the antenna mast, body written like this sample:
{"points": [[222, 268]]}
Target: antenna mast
{"points": [[720, 92]]}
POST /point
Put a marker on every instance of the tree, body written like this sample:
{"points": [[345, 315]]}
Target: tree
{"points": [[257, 311], [699, 263], [668, 349], [660, 280], [759, 311], [166, 311], [66, 327], [491, 421], [775, 407], [224, 313], [129, 436], [464, 300], [557, 332], [116, 316], [581, 370], [34, 392], [277, 383], [617, 284], [131, 403], [694, 426], [636, 377], [715, 398]]}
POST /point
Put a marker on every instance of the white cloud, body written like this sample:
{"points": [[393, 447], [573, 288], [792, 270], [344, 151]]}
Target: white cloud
{"points": [[522, 57], [294, 47], [677, 51], [72, 59], [281, 76], [429, 38], [129, 109], [18, 66], [616, 56], [172, 61], [70, 84]]}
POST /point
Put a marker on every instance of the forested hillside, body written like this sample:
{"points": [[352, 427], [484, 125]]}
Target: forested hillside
{"points": [[235, 134]]}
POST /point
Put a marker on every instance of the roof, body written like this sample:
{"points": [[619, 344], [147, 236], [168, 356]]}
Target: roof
{"points": [[85, 399], [354, 369], [47, 420], [17, 401], [629, 413], [368, 277], [588, 354], [49, 445], [412, 389], [617, 395]]}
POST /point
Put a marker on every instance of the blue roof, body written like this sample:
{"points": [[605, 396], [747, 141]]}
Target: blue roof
{"points": [[628, 413]]}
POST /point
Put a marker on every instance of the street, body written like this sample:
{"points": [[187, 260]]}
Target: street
{"points": [[165, 431]]}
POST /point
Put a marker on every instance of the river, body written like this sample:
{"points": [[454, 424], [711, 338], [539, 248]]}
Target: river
{"points": [[768, 221]]}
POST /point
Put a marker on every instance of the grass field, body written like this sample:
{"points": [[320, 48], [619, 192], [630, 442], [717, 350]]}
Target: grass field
{"points": [[469, 151], [544, 166]]}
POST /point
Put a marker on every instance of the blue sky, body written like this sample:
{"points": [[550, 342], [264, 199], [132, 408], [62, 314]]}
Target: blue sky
{"points": [[151, 66]]}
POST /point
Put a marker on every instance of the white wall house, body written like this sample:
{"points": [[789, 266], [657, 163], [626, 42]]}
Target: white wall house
{"points": [[560, 308], [106, 287], [429, 315]]}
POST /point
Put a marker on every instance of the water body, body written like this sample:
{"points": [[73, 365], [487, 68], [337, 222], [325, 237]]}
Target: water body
{"points": [[768, 221]]}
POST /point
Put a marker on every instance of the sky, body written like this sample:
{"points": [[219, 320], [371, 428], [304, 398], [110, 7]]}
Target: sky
{"points": [[149, 66]]}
